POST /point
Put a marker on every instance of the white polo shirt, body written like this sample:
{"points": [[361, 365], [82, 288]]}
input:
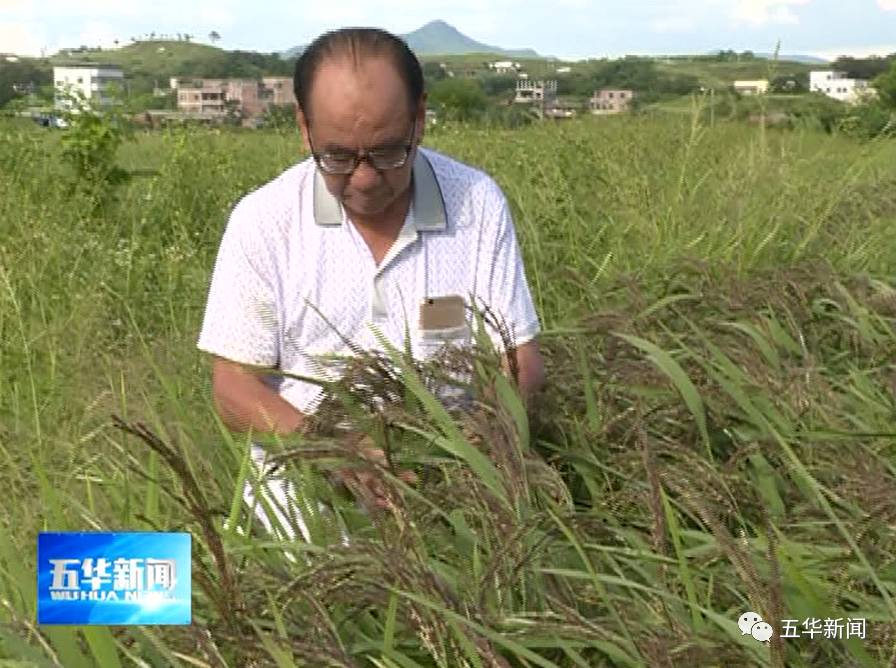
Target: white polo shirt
{"points": [[294, 279]]}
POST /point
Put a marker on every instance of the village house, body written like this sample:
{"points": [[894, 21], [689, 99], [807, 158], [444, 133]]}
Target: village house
{"points": [[92, 81], [838, 86], [528, 91], [610, 101], [757, 87], [504, 67], [279, 90], [248, 98], [201, 96]]}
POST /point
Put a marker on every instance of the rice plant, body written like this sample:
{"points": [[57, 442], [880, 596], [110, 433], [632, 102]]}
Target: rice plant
{"points": [[716, 435]]}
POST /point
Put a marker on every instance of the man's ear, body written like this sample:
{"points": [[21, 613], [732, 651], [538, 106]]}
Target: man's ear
{"points": [[421, 117], [302, 122]]}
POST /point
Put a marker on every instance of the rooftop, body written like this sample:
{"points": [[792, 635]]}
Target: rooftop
{"points": [[86, 65]]}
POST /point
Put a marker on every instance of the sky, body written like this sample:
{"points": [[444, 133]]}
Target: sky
{"points": [[569, 29]]}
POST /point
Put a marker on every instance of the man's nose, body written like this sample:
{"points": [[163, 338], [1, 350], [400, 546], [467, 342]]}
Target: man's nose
{"points": [[364, 176]]}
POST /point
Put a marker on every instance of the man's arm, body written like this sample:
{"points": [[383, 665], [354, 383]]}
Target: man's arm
{"points": [[244, 401], [530, 369]]}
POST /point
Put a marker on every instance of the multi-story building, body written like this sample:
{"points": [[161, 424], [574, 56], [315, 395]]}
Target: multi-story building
{"points": [[91, 81], [610, 101], [201, 96], [535, 91], [279, 90], [249, 98], [838, 86]]}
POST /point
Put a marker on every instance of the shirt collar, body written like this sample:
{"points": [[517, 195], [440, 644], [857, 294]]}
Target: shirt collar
{"points": [[427, 202]]}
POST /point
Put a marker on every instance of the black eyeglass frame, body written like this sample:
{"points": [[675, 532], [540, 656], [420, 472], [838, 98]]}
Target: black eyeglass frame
{"points": [[369, 156]]}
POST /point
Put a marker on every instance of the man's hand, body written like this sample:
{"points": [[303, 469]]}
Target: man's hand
{"points": [[366, 484]]}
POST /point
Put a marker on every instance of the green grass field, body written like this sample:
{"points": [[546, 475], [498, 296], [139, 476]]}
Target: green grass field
{"points": [[716, 435]]}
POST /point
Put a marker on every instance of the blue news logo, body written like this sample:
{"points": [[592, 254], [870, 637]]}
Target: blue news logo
{"points": [[113, 578]]}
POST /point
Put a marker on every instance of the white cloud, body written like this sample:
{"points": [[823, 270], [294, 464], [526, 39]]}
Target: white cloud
{"points": [[21, 39], [887, 5], [761, 12], [673, 24], [783, 16]]}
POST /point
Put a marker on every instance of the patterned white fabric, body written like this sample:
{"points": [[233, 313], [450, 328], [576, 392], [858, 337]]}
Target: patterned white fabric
{"points": [[288, 286]]}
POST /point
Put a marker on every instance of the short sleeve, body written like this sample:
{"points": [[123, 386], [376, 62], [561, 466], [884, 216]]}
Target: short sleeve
{"points": [[242, 319], [506, 295]]}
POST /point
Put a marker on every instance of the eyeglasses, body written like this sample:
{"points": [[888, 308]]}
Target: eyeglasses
{"points": [[381, 159]]}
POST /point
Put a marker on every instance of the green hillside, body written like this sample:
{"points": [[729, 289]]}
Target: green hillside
{"points": [[144, 63], [707, 72], [713, 74]]}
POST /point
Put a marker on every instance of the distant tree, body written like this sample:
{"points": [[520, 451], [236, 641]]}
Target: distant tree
{"points": [[433, 70], [864, 68], [22, 72], [459, 99], [789, 83], [280, 117], [499, 84], [886, 86], [214, 36]]}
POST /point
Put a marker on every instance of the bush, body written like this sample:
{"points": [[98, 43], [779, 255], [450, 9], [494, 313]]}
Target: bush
{"points": [[868, 121], [92, 141], [458, 99]]}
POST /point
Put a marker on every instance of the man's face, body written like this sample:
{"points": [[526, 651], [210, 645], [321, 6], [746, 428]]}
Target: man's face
{"points": [[362, 108]]}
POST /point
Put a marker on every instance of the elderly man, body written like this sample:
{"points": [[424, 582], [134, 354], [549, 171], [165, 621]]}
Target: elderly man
{"points": [[361, 236]]}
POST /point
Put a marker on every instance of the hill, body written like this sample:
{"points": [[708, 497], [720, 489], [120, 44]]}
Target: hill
{"points": [[722, 74], [147, 62], [438, 37], [797, 58], [441, 38]]}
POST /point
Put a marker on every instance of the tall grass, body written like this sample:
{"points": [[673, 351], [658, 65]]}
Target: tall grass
{"points": [[716, 436]]}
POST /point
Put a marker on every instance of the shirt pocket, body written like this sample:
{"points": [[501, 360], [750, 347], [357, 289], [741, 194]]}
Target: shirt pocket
{"points": [[430, 342], [452, 388]]}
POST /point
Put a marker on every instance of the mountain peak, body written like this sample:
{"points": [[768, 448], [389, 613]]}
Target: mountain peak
{"points": [[439, 37]]}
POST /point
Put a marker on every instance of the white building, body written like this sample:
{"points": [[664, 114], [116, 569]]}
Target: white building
{"points": [[91, 81], [836, 85], [757, 87], [564, 70], [504, 66]]}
